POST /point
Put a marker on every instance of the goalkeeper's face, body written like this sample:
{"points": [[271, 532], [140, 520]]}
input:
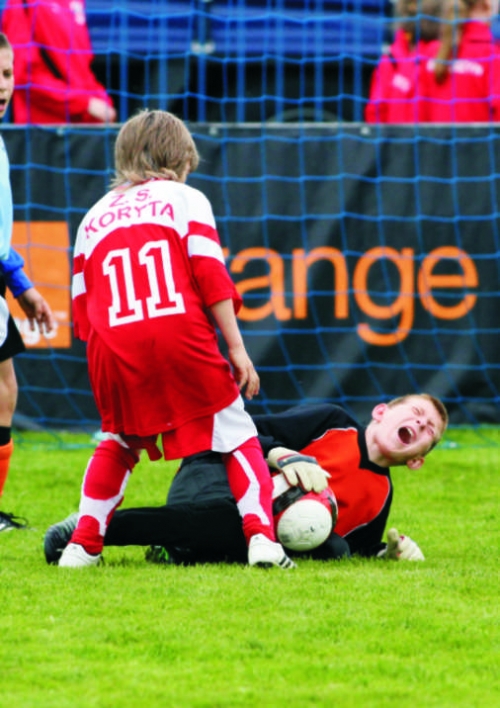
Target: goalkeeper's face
{"points": [[404, 433], [6, 79]]}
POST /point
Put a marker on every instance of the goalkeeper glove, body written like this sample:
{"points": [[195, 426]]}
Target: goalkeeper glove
{"points": [[299, 469], [401, 548]]}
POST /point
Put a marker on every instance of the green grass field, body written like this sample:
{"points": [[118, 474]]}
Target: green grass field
{"points": [[350, 634]]}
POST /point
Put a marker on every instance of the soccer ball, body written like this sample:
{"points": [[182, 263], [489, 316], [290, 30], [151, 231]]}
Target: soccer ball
{"points": [[303, 520]]}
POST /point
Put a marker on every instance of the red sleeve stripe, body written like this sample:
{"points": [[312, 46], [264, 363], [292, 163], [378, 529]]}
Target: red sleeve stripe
{"points": [[78, 263], [200, 229]]}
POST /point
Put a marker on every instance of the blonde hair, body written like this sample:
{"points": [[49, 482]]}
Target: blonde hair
{"points": [[153, 144]]}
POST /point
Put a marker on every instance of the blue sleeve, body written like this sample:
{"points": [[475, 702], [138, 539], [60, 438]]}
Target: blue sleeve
{"points": [[16, 279]]}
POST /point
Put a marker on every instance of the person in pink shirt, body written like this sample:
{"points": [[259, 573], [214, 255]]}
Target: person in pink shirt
{"points": [[394, 88], [53, 73], [461, 83]]}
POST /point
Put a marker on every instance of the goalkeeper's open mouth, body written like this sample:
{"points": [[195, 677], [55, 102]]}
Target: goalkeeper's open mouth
{"points": [[406, 435]]}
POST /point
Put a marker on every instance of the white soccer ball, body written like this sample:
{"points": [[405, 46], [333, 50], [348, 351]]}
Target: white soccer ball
{"points": [[303, 520]]}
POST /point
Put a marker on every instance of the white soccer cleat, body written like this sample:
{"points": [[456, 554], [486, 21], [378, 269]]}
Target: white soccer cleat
{"points": [[265, 553], [75, 556]]}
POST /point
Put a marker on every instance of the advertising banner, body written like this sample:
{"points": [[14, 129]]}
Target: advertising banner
{"points": [[368, 260]]}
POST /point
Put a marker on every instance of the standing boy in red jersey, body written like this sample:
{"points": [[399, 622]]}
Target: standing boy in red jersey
{"points": [[54, 76], [149, 279]]}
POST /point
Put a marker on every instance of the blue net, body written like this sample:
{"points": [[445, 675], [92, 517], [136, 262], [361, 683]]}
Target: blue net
{"points": [[367, 256], [235, 60]]}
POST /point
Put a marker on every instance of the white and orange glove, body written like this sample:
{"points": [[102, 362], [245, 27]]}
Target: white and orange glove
{"points": [[401, 548], [298, 470]]}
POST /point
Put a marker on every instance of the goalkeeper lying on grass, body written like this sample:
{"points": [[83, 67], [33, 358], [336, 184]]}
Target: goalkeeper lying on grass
{"points": [[200, 522]]}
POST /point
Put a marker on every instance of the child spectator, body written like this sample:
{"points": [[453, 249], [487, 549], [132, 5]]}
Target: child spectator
{"points": [[394, 89], [461, 84], [149, 279], [53, 73]]}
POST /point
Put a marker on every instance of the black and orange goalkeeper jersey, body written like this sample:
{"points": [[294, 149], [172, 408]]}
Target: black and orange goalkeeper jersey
{"points": [[362, 488]]}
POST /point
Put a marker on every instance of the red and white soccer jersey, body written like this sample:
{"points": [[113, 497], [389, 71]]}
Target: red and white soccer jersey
{"points": [[147, 265]]}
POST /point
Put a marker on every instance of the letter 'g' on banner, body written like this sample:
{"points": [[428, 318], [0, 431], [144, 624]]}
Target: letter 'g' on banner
{"points": [[45, 245]]}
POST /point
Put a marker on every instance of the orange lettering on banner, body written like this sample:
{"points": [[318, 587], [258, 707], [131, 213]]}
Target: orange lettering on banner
{"points": [[427, 280], [403, 305], [45, 249], [301, 263], [275, 280]]}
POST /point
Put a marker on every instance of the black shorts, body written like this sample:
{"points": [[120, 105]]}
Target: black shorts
{"points": [[201, 496], [13, 342], [200, 522]]}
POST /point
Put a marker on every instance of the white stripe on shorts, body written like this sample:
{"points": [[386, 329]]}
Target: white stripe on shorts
{"points": [[232, 427]]}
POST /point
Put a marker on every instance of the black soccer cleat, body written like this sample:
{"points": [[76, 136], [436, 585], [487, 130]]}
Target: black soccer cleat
{"points": [[157, 554], [9, 522], [57, 538]]}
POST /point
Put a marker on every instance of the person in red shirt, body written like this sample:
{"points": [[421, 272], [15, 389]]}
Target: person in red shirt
{"points": [[53, 73], [149, 282], [394, 87], [200, 520], [461, 83]]}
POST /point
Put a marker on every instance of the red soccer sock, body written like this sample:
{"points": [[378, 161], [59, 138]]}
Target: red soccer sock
{"points": [[252, 488], [102, 492], [5, 455]]}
